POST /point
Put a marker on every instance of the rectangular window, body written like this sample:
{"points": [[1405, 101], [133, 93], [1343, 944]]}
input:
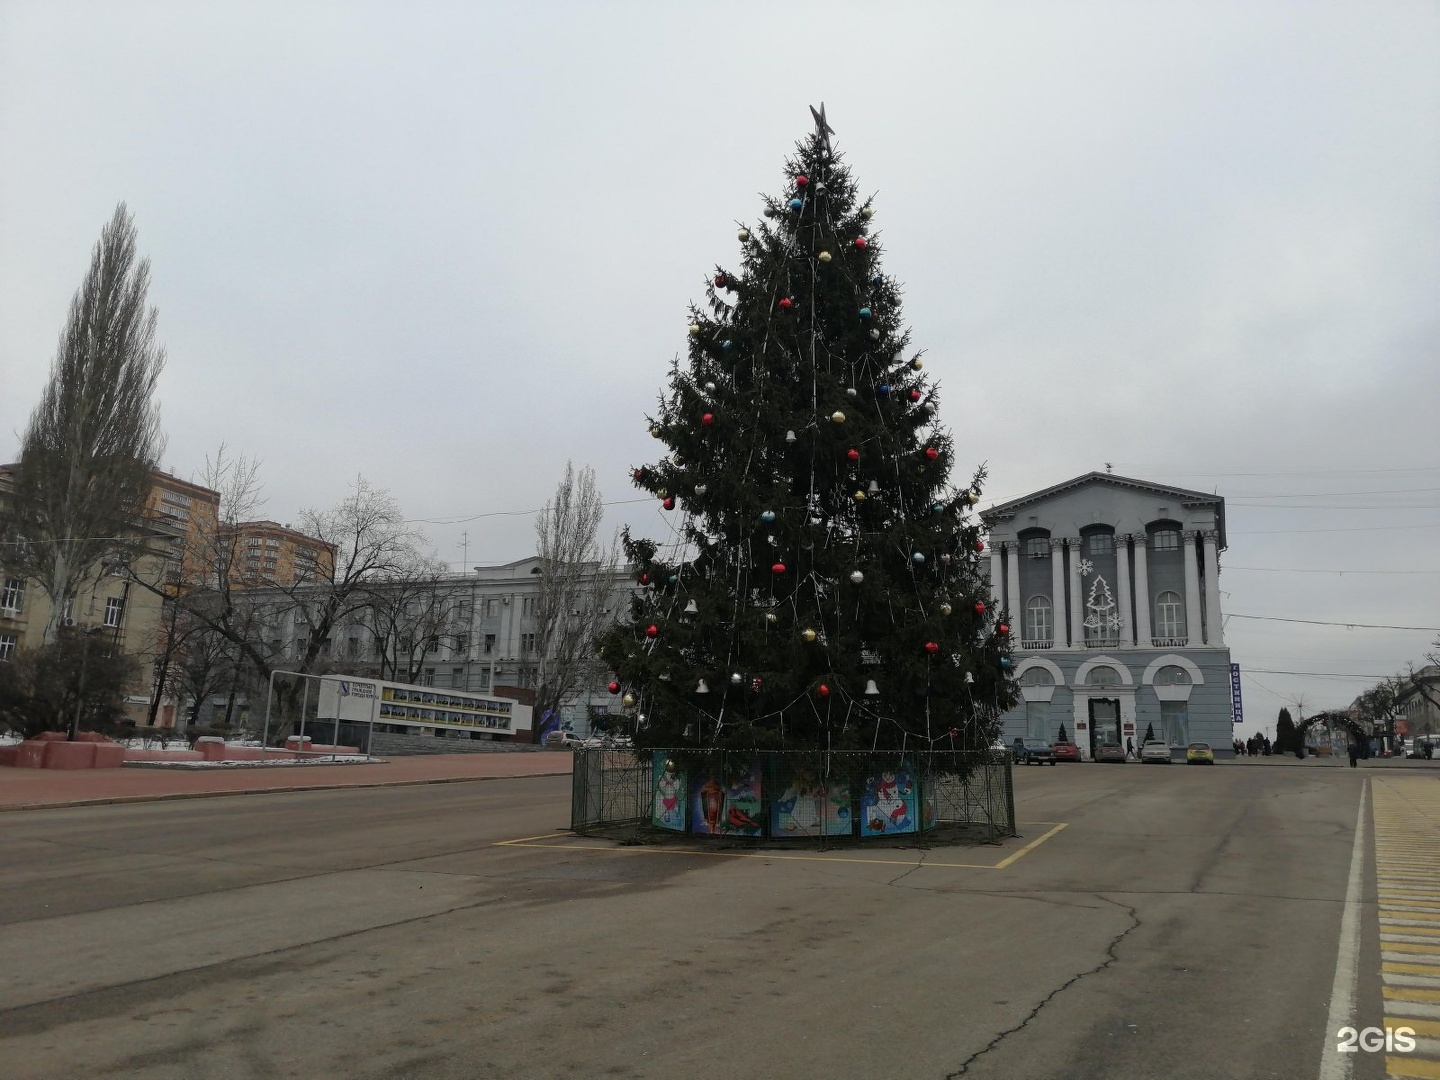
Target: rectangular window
{"points": [[527, 644], [489, 644], [352, 648], [1100, 543], [527, 605], [114, 610], [483, 680], [7, 647], [492, 608], [12, 601], [1037, 547], [457, 678], [1165, 540], [428, 679], [462, 645], [1037, 720], [1175, 722]]}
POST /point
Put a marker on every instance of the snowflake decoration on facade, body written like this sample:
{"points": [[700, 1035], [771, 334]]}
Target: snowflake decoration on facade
{"points": [[1086, 567]]}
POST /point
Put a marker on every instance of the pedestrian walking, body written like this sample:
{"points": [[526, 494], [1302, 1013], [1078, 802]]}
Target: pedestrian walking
{"points": [[1129, 747], [1354, 751]]}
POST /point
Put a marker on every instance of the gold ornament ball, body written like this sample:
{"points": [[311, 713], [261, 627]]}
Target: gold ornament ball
{"points": [[743, 235], [807, 635], [629, 701], [669, 765], [859, 496], [662, 493], [945, 609], [867, 212], [771, 617], [824, 256], [694, 329], [838, 416], [971, 498], [917, 363], [655, 430]]}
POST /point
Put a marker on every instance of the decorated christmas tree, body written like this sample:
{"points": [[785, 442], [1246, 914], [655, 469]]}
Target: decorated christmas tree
{"points": [[823, 585]]}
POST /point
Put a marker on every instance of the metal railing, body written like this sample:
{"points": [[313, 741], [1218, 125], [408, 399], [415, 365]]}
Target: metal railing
{"points": [[794, 795]]}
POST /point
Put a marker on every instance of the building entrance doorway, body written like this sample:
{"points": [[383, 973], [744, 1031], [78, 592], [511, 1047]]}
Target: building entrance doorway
{"points": [[1104, 723]]}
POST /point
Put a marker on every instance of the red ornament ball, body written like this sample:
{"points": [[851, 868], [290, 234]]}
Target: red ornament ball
{"points": [[823, 690], [979, 545], [614, 688], [931, 453], [801, 180], [1004, 628], [852, 454], [644, 579], [720, 280], [914, 395], [652, 631], [639, 474], [669, 503], [979, 607], [786, 303], [708, 419], [778, 568], [861, 243], [932, 647]]}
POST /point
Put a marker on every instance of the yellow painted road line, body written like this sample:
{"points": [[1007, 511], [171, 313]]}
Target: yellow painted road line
{"points": [[1411, 994], [1410, 969], [1429, 1028], [1412, 1068], [1433, 950], [597, 848]]}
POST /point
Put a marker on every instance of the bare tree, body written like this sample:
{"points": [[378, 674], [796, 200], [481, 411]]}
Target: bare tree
{"points": [[410, 614], [576, 580], [90, 450]]}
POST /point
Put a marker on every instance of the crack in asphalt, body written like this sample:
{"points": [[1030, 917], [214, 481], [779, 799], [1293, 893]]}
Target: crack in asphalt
{"points": [[896, 880], [1111, 956]]}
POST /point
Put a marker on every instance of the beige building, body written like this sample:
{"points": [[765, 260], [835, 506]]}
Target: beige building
{"points": [[106, 603], [268, 553]]}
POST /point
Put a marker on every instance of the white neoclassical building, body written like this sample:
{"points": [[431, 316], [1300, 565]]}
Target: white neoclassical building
{"points": [[1112, 587]]}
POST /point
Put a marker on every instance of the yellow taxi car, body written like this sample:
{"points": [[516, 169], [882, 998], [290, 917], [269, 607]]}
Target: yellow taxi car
{"points": [[1199, 753]]}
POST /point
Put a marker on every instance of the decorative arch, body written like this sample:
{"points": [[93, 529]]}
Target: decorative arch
{"points": [[1040, 662], [1175, 660], [1126, 679]]}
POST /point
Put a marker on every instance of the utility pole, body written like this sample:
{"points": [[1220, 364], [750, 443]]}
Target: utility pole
{"points": [[464, 546]]}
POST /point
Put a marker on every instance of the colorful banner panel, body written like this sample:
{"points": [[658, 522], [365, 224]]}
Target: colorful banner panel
{"points": [[721, 808], [808, 807], [669, 787], [888, 805]]}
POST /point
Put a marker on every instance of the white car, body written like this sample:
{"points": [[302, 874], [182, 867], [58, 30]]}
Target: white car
{"points": [[563, 740], [1154, 750]]}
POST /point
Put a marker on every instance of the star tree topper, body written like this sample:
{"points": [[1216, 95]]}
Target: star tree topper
{"points": [[822, 127]]}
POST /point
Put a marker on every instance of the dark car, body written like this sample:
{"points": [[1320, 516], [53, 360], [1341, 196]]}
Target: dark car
{"points": [[1110, 752], [1065, 751], [1033, 752]]}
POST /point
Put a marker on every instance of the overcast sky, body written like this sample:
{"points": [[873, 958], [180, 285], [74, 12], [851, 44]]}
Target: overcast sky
{"points": [[450, 246]]}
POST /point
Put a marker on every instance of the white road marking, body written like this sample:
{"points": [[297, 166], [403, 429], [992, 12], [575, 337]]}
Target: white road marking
{"points": [[1333, 1064]]}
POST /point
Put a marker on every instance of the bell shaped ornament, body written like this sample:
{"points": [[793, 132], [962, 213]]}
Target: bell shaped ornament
{"points": [[701, 688], [871, 690]]}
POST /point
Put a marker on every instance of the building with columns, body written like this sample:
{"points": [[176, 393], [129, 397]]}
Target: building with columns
{"points": [[1112, 590]]}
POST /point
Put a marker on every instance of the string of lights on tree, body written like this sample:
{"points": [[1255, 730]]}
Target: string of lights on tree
{"points": [[825, 586]]}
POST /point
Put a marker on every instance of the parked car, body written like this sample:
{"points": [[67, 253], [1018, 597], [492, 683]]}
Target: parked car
{"points": [[1421, 743], [1110, 751], [1199, 753], [562, 740], [1065, 751], [1155, 750], [1032, 752]]}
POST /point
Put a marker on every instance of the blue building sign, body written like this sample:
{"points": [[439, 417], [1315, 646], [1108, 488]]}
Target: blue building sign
{"points": [[1237, 711]]}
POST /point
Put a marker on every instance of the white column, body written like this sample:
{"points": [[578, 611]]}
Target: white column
{"points": [[1192, 592], [997, 576], [1122, 575], [1077, 601], [1142, 591], [1012, 582], [1214, 631], [1057, 591]]}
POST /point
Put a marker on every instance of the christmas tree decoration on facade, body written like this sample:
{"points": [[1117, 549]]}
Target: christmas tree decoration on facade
{"points": [[820, 547]]}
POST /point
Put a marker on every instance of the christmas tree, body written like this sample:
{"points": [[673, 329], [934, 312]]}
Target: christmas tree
{"points": [[823, 586]]}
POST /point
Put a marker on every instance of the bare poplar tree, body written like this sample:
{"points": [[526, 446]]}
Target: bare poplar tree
{"points": [[90, 450], [574, 602], [409, 614]]}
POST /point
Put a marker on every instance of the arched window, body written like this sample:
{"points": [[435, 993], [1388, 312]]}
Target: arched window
{"points": [[1038, 623], [1169, 615], [1172, 675], [1102, 676], [1037, 676]]}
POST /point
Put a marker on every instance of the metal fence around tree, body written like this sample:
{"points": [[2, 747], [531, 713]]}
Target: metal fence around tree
{"points": [[829, 798]]}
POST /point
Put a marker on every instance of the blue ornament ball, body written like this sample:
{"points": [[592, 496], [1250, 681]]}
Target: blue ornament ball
{"points": [[864, 313], [937, 508], [727, 345], [796, 204], [918, 558], [768, 516], [1005, 661], [674, 578], [877, 281], [883, 389]]}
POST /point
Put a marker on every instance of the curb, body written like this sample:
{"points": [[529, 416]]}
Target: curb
{"points": [[117, 800]]}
